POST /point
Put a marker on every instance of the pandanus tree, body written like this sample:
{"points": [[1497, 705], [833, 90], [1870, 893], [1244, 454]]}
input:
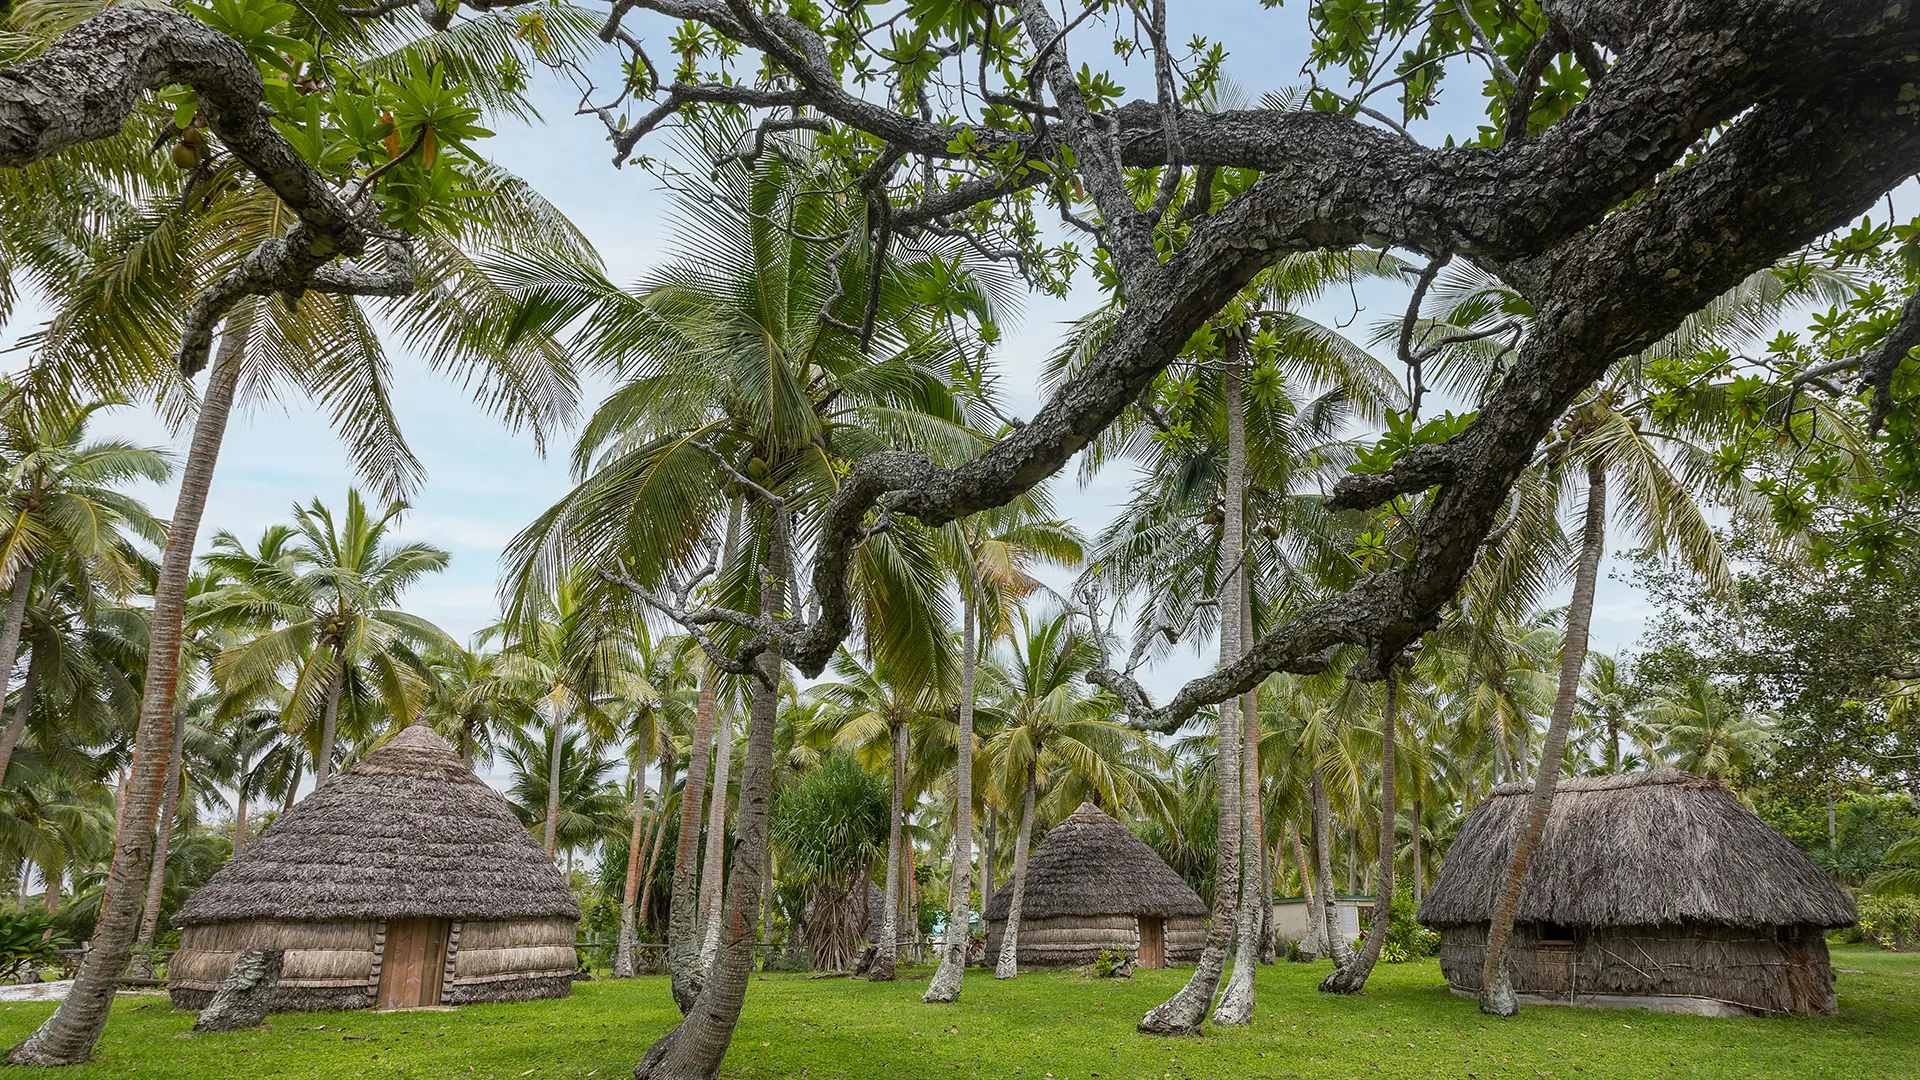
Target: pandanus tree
{"points": [[322, 600], [871, 712], [751, 370], [371, 152]]}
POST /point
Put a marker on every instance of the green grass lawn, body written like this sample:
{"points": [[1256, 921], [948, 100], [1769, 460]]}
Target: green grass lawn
{"points": [[1062, 1026]]}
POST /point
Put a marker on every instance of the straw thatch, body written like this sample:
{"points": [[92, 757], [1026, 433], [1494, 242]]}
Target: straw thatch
{"points": [[408, 832], [1661, 848], [407, 839], [1090, 864]]}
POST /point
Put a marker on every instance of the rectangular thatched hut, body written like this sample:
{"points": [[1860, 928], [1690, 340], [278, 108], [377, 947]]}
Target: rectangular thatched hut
{"points": [[404, 881], [1653, 890]]}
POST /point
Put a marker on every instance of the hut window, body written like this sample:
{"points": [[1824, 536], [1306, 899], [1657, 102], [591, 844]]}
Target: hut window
{"points": [[1554, 934]]}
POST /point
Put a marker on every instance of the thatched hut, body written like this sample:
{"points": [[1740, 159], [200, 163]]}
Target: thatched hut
{"points": [[1651, 890], [403, 881], [1093, 885]]}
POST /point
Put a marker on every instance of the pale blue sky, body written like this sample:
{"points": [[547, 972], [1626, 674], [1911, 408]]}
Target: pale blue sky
{"points": [[483, 484]]}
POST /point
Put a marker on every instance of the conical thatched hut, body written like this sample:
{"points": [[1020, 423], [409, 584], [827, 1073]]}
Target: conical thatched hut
{"points": [[1093, 885], [403, 881], [1651, 890]]}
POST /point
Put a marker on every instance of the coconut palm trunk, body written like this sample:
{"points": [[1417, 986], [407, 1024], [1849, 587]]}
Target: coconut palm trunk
{"points": [[713, 865], [659, 841], [629, 889], [1351, 977], [1184, 1013], [163, 836], [16, 620], [1314, 945], [1009, 965], [1496, 987], [886, 941], [1419, 865], [1338, 947], [68, 1036], [683, 915], [694, 1049], [556, 741], [1236, 1002], [17, 724], [948, 977], [330, 723], [240, 817]]}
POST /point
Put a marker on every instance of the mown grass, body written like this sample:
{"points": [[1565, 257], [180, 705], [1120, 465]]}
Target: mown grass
{"points": [[1060, 1026]]}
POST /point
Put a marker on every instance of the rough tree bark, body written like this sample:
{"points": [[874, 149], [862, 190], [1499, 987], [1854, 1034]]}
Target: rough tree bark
{"points": [[944, 988], [1009, 963], [713, 864], [694, 1049], [1496, 993], [163, 835], [1236, 1001], [1351, 977], [659, 842], [886, 940], [1314, 945], [1186, 1011], [683, 914]]}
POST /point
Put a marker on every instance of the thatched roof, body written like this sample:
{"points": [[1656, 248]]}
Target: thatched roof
{"points": [[409, 832], [1091, 864], [1658, 848]]}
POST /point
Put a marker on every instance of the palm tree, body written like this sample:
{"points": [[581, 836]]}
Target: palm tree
{"points": [[323, 599], [991, 554], [119, 314], [1057, 734], [1702, 732], [1614, 432], [590, 806], [60, 505], [745, 393]]}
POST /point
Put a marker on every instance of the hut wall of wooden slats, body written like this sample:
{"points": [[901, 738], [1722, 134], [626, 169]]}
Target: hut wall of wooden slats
{"points": [[335, 965], [1680, 968], [1067, 941]]}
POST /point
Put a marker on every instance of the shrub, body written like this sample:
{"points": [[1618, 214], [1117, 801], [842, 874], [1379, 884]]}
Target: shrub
{"points": [[28, 941], [1891, 922], [1406, 939]]}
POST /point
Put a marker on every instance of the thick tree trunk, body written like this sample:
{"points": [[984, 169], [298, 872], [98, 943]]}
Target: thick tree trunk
{"points": [[1351, 978], [694, 1050], [683, 914], [68, 1036], [713, 865], [886, 941], [1496, 995], [17, 724], [1338, 948], [630, 889], [163, 836], [16, 620], [1236, 1002], [329, 726], [1186, 1011], [944, 988], [1009, 965], [990, 855]]}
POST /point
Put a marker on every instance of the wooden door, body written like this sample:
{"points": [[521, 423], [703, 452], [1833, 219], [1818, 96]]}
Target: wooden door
{"points": [[1153, 942], [412, 962]]}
